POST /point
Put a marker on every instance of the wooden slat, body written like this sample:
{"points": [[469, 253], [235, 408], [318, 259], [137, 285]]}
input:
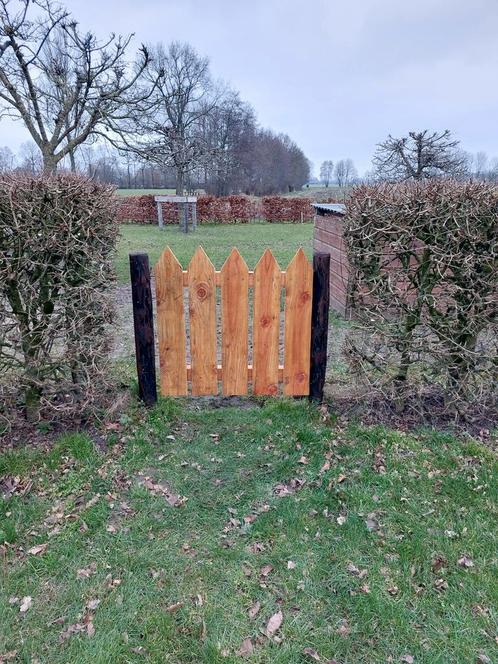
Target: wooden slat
{"points": [[267, 286], [234, 323], [202, 310], [171, 325], [297, 339]]}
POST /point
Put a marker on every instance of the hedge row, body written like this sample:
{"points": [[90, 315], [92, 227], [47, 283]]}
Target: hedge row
{"points": [[225, 209]]}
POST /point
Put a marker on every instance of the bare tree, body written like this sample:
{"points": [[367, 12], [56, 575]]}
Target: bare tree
{"points": [[419, 155], [345, 172], [326, 171], [30, 158], [167, 128], [7, 159], [64, 85], [481, 165]]}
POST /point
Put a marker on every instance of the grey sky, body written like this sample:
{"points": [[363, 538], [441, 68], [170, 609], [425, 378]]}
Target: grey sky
{"points": [[336, 76]]}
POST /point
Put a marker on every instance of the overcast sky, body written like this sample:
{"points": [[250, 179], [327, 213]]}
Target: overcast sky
{"points": [[336, 76]]}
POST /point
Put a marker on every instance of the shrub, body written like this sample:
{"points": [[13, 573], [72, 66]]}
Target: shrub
{"points": [[57, 236], [424, 288]]}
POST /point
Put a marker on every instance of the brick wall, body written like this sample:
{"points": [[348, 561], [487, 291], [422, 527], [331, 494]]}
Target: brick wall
{"points": [[328, 238]]}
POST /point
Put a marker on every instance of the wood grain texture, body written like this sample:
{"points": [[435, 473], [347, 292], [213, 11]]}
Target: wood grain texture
{"points": [[202, 310], [266, 323], [297, 336], [234, 323], [171, 325]]}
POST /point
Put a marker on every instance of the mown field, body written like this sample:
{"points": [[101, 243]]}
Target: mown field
{"points": [[263, 533], [216, 239]]}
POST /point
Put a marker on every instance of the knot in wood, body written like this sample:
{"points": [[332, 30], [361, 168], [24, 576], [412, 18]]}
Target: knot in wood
{"points": [[305, 296], [265, 321], [202, 290]]}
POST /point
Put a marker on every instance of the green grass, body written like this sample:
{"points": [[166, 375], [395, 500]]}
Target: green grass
{"points": [[429, 500], [217, 240], [141, 192]]}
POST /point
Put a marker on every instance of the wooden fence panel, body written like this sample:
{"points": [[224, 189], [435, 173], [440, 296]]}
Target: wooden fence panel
{"points": [[266, 324], [234, 281], [202, 310], [297, 338], [171, 325]]}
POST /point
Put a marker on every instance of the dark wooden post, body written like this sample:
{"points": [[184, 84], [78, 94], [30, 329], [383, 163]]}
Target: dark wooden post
{"points": [[144, 327], [319, 324]]}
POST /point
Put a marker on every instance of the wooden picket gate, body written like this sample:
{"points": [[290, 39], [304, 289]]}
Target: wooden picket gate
{"points": [[188, 345]]}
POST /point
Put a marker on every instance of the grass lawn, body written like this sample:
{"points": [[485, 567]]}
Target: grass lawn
{"points": [[217, 240], [142, 192], [364, 545]]}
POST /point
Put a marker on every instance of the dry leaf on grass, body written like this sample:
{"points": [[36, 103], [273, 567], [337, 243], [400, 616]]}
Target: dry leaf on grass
{"points": [[39, 548], [291, 564], [174, 607], [26, 604], [85, 572], [408, 659], [274, 623], [312, 654], [245, 649], [254, 610], [265, 570], [465, 562]]}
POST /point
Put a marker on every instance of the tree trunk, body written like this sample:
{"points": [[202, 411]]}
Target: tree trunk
{"points": [[49, 163], [180, 181], [72, 161]]}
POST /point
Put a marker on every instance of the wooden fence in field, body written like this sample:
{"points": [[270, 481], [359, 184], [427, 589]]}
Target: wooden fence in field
{"points": [[289, 308]]}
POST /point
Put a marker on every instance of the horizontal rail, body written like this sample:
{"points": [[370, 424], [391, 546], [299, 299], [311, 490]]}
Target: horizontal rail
{"points": [[217, 281]]}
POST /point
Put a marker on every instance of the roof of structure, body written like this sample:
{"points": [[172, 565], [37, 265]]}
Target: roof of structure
{"points": [[333, 208]]}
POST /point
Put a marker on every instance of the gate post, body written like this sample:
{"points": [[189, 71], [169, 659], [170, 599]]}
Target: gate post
{"points": [[144, 327], [319, 324]]}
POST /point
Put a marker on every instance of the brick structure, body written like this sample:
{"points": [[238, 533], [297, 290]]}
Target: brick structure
{"points": [[328, 238]]}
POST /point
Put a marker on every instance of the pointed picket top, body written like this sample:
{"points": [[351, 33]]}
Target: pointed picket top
{"points": [[267, 262], [297, 327], [200, 260], [234, 262], [167, 260], [300, 262], [202, 314]]}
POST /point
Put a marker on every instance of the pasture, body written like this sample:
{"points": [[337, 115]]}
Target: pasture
{"points": [[216, 239]]}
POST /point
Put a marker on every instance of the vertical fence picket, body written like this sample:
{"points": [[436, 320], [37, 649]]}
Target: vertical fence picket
{"points": [[143, 321], [266, 323], [171, 325], [297, 338], [202, 310], [234, 323]]}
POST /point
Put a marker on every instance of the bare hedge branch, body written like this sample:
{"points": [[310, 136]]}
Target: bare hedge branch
{"points": [[57, 236], [424, 288]]}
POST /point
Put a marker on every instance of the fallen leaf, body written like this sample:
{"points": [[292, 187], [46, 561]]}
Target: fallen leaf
{"points": [[482, 659], [371, 522], [341, 520], [344, 629], [246, 648], [90, 629], [174, 607], [85, 572], [465, 562], [92, 604], [265, 570], [274, 623], [324, 468], [39, 548], [408, 659], [440, 585], [254, 610], [303, 460], [393, 590], [310, 652], [26, 603], [291, 564]]}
